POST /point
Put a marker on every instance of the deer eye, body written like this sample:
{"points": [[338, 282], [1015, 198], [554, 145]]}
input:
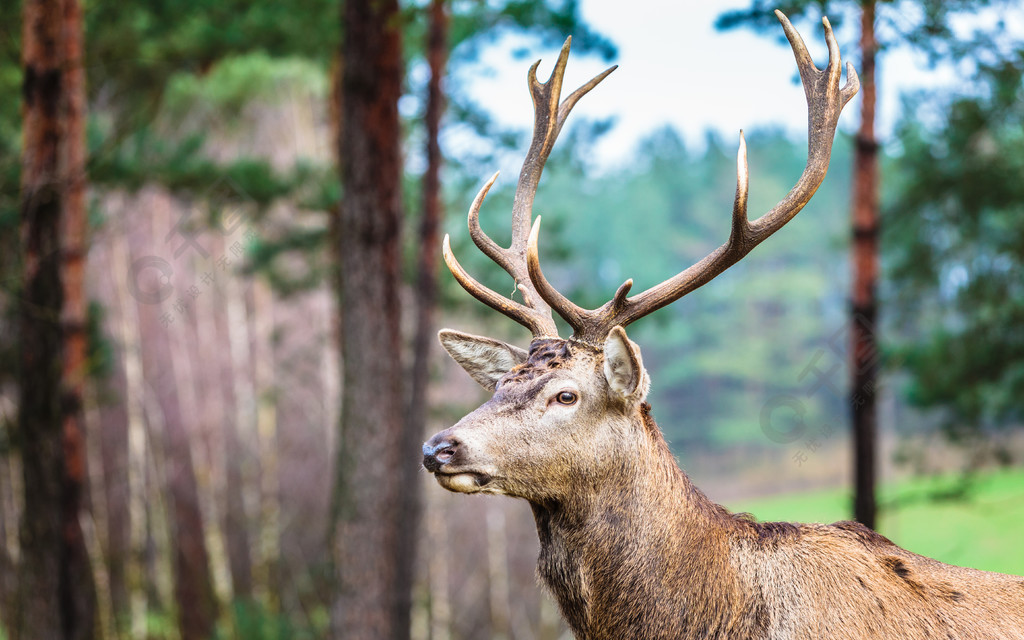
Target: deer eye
{"points": [[567, 398]]}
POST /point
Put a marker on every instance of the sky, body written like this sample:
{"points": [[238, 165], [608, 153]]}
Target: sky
{"points": [[675, 68]]}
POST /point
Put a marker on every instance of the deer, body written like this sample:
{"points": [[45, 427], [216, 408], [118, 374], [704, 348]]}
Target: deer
{"points": [[629, 546]]}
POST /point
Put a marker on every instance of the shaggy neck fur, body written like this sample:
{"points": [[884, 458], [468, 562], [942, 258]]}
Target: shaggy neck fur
{"points": [[615, 559]]}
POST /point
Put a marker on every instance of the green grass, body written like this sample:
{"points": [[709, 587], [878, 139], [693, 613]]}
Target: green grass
{"points": [[983, 529]]}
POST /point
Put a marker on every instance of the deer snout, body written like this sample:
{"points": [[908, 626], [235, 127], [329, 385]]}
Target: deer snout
{"points": [[439, 451]]}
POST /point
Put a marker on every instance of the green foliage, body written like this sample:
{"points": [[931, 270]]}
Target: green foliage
{"points": [[237, 81], [475, 23], [761, 14], [926, 25], [10, 147], [99, 349], [137, 47], [253, 621], [955, 247], [137, 52], [161, 625], [181, 167]]}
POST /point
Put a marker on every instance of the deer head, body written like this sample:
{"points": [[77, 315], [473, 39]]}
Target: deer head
{"points": [[567, 412], [560, 413]]}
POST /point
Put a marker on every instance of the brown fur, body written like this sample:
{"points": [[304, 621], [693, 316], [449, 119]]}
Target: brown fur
{"points": [[630, 548], [545, 354]]}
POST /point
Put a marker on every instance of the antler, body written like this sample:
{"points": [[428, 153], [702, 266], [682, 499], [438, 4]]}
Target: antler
{"points": [[825, 101], [549, 116]]}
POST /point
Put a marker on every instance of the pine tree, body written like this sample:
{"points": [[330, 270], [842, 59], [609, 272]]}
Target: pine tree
{"points": [[57, 597]]}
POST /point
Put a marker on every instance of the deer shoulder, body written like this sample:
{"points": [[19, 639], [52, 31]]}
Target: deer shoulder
{"points": [[845, 580]]}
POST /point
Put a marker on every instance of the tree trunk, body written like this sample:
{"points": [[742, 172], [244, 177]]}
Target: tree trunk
{"points": [[864, 308], [268, 552], [112, 431], [425, 293], [10, 510], [126, 330], [497, 572], [74, 251], [439, 538], [195, 338], [193, 584], [57, 596], [367, 502], [80, 593], [239, 399]]}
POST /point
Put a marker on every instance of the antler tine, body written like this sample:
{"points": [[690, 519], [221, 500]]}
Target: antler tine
{"points": [[489, 247], [739, 206], [533, 313], [825, 102], [535, 318], [570, 312], [549, 116]]}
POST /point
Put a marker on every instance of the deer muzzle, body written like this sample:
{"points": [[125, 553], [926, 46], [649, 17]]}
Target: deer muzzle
{"points": [[439, 453], [443, 455]]}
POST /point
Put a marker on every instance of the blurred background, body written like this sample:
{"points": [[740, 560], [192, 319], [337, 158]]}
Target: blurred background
{"points": [[222, 281]]}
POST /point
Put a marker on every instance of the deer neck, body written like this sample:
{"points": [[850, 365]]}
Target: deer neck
{"points": [[640, 535]]}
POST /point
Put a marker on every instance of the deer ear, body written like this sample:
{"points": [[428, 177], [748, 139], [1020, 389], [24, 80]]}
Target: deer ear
{"points": [[484, 359], [623, 367]]}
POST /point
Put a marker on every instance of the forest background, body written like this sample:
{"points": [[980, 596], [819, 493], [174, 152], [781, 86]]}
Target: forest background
{"points": [[215, 491]]}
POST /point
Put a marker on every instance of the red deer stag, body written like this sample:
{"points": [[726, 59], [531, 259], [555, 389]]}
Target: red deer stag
{"points": [[630, 548]]}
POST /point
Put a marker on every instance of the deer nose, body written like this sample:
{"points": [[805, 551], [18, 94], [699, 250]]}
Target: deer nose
{"points": [[438, 454]]}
